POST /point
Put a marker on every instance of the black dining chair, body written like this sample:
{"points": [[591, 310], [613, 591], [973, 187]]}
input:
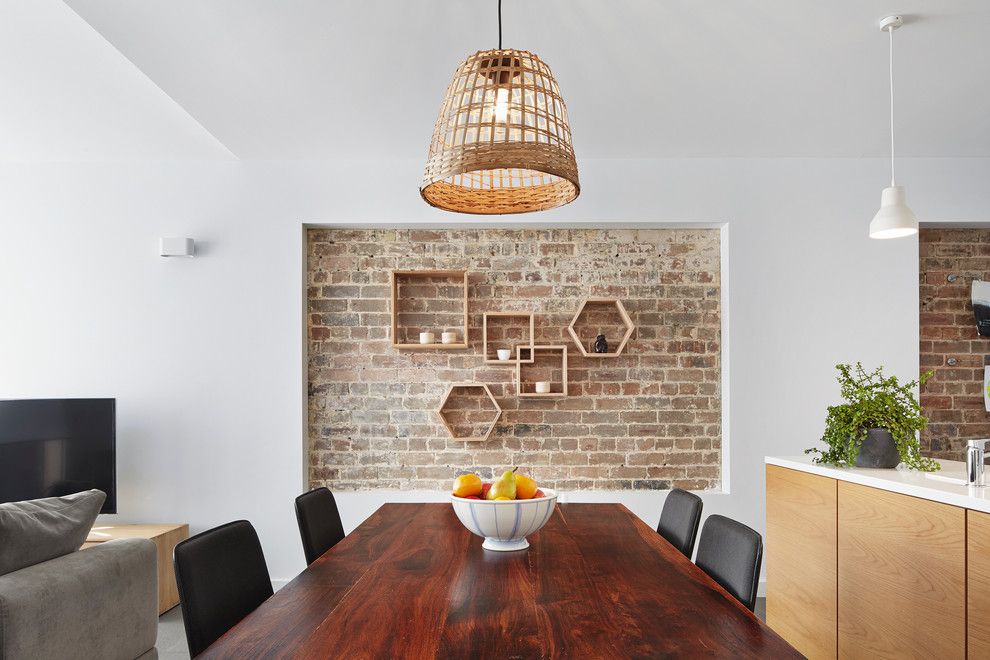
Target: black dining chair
{"points": [[319, 522], [731, 553], [222, 577], [679, 520]]}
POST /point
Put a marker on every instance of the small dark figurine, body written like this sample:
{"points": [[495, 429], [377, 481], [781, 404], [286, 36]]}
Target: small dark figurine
{"points": [[601, 346]]}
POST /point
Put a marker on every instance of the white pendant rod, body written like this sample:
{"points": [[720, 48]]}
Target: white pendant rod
{"points": [[890, 30]]}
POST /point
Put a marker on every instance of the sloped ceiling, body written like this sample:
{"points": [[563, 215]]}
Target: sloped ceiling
{"points": [[66, 94], [363, 79]]}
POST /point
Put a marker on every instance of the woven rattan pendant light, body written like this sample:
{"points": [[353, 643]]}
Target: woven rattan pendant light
{"points": [[502, 143]]}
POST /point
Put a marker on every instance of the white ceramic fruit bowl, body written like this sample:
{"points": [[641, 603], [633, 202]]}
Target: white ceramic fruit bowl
{"points": [[505, 524]]}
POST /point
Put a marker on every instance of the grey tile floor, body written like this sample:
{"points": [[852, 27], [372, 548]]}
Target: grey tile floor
{"points": [[172, 637]]}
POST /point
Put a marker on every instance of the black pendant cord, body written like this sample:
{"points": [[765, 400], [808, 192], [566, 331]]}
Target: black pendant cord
{"points": [[500, 24]]}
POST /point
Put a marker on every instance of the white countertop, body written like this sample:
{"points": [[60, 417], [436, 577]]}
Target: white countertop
{"points": [[906, 482]]}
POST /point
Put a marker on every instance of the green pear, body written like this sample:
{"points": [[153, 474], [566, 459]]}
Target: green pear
{"points": [[504, 486]]}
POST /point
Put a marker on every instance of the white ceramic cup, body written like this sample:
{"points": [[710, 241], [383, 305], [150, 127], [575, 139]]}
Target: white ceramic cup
{"points": [[427, 338], [542, 387], [448, 337], [504, 354]]}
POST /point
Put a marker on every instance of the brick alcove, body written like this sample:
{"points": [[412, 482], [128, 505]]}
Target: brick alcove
{"points": [[647, 419], [950, 344]]}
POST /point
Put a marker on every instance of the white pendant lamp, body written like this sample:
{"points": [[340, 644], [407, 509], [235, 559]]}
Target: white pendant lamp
{"points": [[894, 219]]}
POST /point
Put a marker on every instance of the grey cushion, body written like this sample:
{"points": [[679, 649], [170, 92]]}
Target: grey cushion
{"points": [[99, 603], [38, 530]]}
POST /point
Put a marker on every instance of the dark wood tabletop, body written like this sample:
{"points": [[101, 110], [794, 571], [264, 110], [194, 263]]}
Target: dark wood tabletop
{"points": [[412, 582]]}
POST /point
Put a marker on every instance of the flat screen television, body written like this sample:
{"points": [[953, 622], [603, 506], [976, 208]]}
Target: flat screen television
{"points": [[53, 447]]}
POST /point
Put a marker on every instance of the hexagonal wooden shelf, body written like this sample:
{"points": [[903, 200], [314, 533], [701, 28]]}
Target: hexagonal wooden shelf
{"points": [[450, 428], [620, 310]]}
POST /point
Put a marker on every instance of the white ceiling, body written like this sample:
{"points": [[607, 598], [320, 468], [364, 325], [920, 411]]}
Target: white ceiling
{"points": [[66, 94], [315, 79]]}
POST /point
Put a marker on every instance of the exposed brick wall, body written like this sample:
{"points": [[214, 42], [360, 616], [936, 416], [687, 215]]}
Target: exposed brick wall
{"points": [[650, 418], [953, 399]]}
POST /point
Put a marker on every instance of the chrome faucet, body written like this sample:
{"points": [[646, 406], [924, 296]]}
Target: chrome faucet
{"points": [[975, 470]]}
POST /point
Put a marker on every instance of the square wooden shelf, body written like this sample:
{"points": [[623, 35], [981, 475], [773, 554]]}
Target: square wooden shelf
{"points": [[412, 293], [597, 314], [490, 345], [558, 386], [485, 417]]}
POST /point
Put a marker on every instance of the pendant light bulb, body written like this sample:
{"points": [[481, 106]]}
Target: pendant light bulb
{"points": [[502, 105], [894, 219], [501, 93]]}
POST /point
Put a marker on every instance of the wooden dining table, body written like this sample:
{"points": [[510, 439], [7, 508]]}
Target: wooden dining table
{"points": [[412, 582]]}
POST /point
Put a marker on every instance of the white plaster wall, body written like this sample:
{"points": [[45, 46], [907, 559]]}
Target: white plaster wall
{"points": [[205, 355]]}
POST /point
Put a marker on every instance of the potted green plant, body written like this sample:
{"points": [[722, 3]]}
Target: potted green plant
{"points": [[878, 424]]}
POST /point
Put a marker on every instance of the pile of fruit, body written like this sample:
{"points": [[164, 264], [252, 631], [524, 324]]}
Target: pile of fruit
{"points": [[510, 486]]}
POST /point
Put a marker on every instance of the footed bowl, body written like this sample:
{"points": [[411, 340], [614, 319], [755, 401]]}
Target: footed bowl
{"points": [[505, 524]]}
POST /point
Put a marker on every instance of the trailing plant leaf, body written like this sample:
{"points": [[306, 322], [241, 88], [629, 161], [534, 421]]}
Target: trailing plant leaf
{"points": [[874, 401]]}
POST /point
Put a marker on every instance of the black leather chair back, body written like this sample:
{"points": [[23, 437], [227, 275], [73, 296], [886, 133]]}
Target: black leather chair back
{"points": [[679, 520], [319, 522], [222, 577], [731, 553]]}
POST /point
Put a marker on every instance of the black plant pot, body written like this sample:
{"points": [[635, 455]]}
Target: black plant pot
{"points": [[878, 450]]}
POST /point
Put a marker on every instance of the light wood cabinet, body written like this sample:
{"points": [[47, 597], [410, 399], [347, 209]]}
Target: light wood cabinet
{"points": [[802, 511], [901, 576], [858, 571], [978, 588], [165, 538]]}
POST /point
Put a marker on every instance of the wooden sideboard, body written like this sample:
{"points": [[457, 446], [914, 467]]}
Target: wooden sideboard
{"points": [[801, 515], [165, 538], [902, 575], [856, 571], [978, 583]]}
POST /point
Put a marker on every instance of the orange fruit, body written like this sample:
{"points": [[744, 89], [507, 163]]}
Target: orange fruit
{"points": [[467, 484], [525, 487]]}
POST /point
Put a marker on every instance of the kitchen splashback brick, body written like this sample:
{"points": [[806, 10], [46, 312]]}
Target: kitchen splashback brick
{"points": [[648, 419], [953, 398]]}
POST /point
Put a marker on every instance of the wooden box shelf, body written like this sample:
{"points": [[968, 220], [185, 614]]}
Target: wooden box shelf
{"points": [[520, 346], [449, 413], [590, 316], [558, 386], [418, 294]]}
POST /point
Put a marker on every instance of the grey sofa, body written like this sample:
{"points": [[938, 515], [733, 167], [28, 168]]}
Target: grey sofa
{"points": [[100, 602]]}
